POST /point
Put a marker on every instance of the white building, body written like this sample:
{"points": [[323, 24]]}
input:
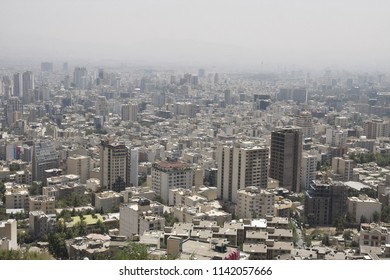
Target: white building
{"points": [[8, 235], [107, 200], [363, 206], [308, 170], [140, 217], [134, 158], [168, 175]]}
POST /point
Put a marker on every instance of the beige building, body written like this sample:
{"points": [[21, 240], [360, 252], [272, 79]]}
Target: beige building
{"points": [[376, 128], [363, 206], [373, 235], [79, 165], [42, 203], [8, 235], [107, 200], [167, 175], [23, 177], [342, 169], [283, 207], [305, 122], [253, 202], [140, 217], [240, 165], [16, 196]]}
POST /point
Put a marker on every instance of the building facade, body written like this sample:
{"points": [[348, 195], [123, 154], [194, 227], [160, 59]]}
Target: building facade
{"points": [[286, 157]]}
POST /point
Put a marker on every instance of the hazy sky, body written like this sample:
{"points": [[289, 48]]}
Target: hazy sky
{"points": [[253, 33]]}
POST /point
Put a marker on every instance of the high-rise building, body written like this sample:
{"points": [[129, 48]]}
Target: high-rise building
{"points": [[241, 165], [308, 170], [13, 110], [305, 121], [28, 86], [298, 95], [18, 85], [286, 157], [342, 168], [45, 157], [80, 77], [6, 87], [113, 166], [79, 165], [325, 202], [168, 175], [133, 168], [376, 128], [65, 67], [47, 67], [129, 112]]}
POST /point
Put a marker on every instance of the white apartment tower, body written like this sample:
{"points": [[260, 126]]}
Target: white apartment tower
{"points": [[308, 170], [134, 157], [167, 175], [241, 165]]}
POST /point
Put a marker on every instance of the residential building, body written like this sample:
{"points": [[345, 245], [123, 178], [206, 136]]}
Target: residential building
{"points": [[8, 235], [286, 157], [364, 208], [167, 175], [79, 165], [253, 202], [129, 112], [241, 165], [113, 166], [140, 217], [376, 128], [308, 170], [325, 202], [342, 169], [305, 121], [373, 235], [16, 196], [41, 224], [42, 203], [107, 200]]}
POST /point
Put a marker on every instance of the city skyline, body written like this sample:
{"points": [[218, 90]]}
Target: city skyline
{"points": [[246, 35]]}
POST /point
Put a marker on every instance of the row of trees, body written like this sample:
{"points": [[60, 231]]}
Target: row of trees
{"points": [[23, 255], [380, 159]]}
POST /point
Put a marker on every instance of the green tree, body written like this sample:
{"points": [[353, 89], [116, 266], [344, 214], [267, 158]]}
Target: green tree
{"points": [[23, 255], [325, 240], [57, 245], [376, 217], [134, 251]]}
